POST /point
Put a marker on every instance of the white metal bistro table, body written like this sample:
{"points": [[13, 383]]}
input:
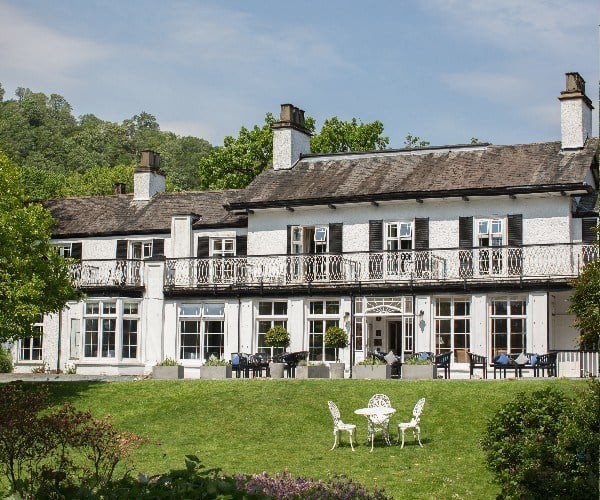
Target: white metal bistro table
{"points": [[378, 418]]}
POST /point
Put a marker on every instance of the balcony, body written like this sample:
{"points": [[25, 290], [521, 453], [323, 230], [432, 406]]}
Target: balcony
{"points": [[478, 265], [107, 273]]}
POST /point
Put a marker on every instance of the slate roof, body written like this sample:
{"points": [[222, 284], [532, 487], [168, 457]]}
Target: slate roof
{"points": [[121, 215], [425, 173]]}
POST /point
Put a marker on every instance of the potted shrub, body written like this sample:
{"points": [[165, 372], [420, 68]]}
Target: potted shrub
{"points": [[312, 370], [338, 338], [418, 367], [168, 368], [372, 368], [277, 336], [215, 368]]}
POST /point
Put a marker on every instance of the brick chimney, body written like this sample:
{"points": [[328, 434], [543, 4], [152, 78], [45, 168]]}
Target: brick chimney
{"points": [[147, 177], [575, 113], [291, 138]]}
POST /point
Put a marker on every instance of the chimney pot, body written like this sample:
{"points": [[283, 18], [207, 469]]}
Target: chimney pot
{"points": [[575, 113], [287, 113]]}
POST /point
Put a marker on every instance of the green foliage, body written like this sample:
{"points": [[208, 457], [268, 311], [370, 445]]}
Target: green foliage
{"points": [[277, 336], [411, 142], [40, 134], [168, 362], [337, 136], [214, 361], [336, 336], [240, 159], [585, 303], [371, 360], [34, 278], [54, 454], [545, 445], [6, 363], [417, 360]]}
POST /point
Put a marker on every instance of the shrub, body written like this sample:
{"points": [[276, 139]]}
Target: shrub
{"points": [[6, 363], [545, 445], [167, 362], [371, 360], [336, 337], [286, 486], [214, 361], [53, 453], [277, 336]]}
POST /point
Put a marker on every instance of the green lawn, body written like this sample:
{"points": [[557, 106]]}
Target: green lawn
{"points": [[268, 425]]}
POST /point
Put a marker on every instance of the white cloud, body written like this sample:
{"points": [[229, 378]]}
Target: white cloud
{"points": [[30, 49], [522, 26]]}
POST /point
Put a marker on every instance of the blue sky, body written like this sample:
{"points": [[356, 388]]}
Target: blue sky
{"points": [[445, 70]]}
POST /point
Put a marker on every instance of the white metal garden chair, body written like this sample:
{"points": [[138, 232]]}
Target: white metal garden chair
{"points": [[414, 424], [339, 426], [379, 423]]}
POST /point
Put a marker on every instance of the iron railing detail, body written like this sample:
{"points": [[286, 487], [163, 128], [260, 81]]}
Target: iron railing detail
{"points": [[107, 273]]}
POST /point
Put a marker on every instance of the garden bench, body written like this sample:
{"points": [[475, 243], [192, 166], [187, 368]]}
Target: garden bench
{"points": [[291, 360], [545, 363], [443, 361], [389, 359], [477, 361]]}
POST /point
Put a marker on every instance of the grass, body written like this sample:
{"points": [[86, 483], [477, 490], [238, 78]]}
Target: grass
{"points": [[269, 425]]}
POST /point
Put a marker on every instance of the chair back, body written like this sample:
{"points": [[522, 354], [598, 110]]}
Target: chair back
{"points": [[379, 400], [335, 412], [418, 409]]}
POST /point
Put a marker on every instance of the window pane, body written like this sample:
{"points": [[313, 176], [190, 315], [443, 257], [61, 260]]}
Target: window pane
{"points": [[265, 308], [316, 307], [91, 338], [483, 227], [108, 338], [189, 310], [321, 234], [499, 307], [443, 326], [280, 308], [392, 231], [130, 308], [517, 307], [499, 325], [496, 226], [214, 339], [92, 308], [405, 229], [129, 342], [443, 307], [109, 308], [332, 307], [462, 308], [214, 309]]}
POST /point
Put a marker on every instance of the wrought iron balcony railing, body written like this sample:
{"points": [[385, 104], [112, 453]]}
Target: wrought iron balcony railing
{"points": [[107, 273], [477, 264]]}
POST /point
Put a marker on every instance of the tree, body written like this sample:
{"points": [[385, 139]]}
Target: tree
{"points": [[240, 159], [337, 136], [585, 303], [411, 142], [34, 278]]}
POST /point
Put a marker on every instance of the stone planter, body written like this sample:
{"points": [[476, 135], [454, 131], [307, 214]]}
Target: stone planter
{"points": [[372, 371], [167, 372], [336, 370], [215, 372], [314, 371], [419, 372], [276, 370]]}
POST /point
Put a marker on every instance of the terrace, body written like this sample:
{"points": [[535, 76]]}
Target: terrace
{"points": [[556, 262]]}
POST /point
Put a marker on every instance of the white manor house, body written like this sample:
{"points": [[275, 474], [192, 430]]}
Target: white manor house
{"points": [[464, 248]]}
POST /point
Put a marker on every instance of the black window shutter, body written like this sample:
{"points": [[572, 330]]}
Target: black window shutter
{"points": [[158, 247], [203, 247], [76, 250], [422, 233], [588, 234], [375, 235], [289, 239], [465, 232], [515, 230], [335, 238], [241, 245], [121, 249]]}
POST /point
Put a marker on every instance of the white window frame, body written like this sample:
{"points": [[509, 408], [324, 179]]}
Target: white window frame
{"points": [[31, 348], [222, 247], [452, 319], [65, 249], [264, 321], [317, 324], [508, 317], [202, 315], [118, 311], [320, 238], [139, 249]]}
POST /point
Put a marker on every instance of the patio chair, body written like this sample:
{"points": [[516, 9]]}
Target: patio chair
{"points": [[339, 426], [379, 423], [414, 424]]}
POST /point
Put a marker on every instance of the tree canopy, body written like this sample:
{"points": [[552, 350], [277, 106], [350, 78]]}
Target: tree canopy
{"points": [[41, 135], [585, 304], [34, 278], [242, 158]]}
